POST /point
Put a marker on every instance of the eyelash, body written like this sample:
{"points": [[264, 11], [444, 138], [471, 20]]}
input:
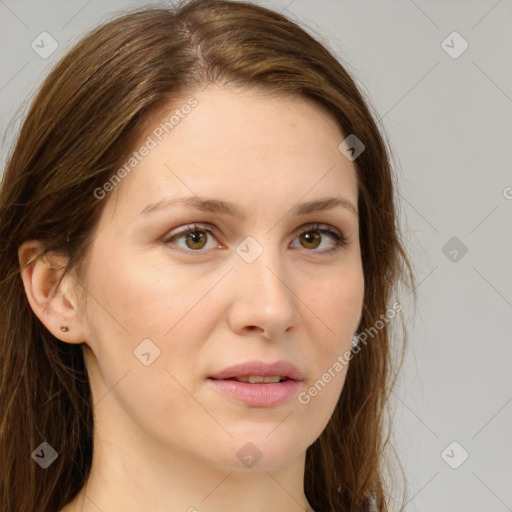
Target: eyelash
{"points": [[339, 240]]}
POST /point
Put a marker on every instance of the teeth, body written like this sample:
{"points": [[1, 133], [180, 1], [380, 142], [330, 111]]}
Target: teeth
{"points": [[257, 379]]}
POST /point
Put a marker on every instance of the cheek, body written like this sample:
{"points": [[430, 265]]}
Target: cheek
{"points": [[141, 300], [337, 303], [336, 307], [135, 304], [148, 298]]}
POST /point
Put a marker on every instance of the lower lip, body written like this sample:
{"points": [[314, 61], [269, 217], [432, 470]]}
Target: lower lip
{"points": [[258, 395]]}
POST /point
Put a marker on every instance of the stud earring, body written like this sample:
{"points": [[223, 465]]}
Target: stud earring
{"points": [[355, 340], [64, 328]]}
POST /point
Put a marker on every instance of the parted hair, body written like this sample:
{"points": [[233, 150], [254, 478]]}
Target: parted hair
{"points": [[78, 128]]}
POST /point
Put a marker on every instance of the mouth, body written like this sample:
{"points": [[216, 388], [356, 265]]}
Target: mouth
{"points": [[258, 371], [258, 384], [257, 379]]}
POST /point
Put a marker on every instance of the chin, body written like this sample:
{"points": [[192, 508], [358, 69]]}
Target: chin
{"points": [[259, 451]]}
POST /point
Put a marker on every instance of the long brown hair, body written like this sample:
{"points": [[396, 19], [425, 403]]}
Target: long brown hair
{"points": [[78, 128]]}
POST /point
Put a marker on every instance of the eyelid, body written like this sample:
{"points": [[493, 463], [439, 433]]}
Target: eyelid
{"points": [[337, 235], [208, 228]]}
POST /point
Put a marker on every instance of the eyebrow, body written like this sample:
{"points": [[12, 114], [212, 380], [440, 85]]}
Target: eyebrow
{"points": [[218, 206]]}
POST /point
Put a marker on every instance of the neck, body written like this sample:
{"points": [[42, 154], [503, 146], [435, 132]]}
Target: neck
{"points": [[131, 473]]}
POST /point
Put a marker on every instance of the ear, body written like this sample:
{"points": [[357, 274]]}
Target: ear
{"points": [[54, 307]]}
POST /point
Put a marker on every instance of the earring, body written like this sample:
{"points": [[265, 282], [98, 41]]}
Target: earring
{"points": [[355, 340], [64, 328]]}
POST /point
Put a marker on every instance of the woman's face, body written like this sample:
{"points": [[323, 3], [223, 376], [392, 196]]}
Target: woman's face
{"points": [[166, 311]]}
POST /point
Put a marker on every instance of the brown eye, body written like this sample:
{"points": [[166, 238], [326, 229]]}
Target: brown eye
{"points": [[311, 239], [313, 236], [196, 239]]}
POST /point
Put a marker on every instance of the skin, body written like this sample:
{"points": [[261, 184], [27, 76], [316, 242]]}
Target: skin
{"points": [[164, 439]]}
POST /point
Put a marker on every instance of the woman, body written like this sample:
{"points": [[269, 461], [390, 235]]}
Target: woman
{"points": [[198, 236]]}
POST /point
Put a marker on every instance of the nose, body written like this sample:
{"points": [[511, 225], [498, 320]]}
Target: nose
{"points": [[264, 299]]}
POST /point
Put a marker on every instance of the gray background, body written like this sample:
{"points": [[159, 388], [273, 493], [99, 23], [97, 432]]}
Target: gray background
{"points": [[448, 121]]}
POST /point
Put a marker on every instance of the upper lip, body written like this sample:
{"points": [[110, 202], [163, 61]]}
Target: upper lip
{"points": [[259, 368]]}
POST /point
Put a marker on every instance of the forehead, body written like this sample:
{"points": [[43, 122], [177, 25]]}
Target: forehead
{"points": [[246, 144]]}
